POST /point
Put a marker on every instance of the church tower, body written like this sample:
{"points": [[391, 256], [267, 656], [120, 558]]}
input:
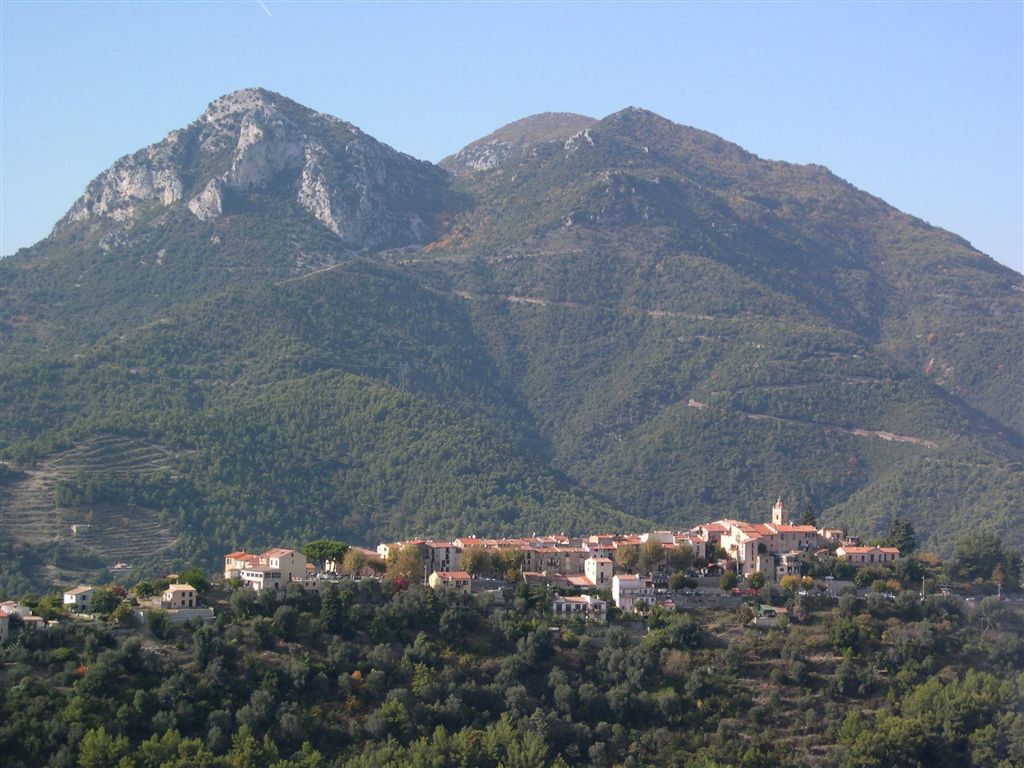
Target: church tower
{"points": [[779, 514]]}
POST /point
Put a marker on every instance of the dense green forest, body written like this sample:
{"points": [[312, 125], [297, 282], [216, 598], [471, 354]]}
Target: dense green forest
{"points": [[373, 674]]}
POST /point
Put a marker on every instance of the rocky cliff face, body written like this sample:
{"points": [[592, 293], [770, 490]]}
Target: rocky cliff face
{"points": [[253, 140]]}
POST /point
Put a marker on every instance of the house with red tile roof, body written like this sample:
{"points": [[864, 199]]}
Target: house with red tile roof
{"points": [[861, 556]]}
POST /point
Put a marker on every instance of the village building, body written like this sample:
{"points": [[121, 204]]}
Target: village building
{"points": [[5, 627], [697, 545], [441, 556], [179, 596], [274, 569], [236, 562], [860, 556], [586, 607], [33, 622], [599, 571], [14, 608], [460, 581], [628, 590], [78, 598]]}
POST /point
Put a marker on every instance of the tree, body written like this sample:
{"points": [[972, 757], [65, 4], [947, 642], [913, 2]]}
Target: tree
{"points": [[977, 556], [286, 622], [99, 749], [103, 601], [627, 558], [756, 580], [322, 550], [843, 634], [789, 584], [196, 577], [651, 556], [353, 562], [158, 623], [680, 557], [477, 561], [807, 516], [508, 562], [679, 580], [332, 610], [406, 563], [901, 535], [246, 751], [727, 580]]}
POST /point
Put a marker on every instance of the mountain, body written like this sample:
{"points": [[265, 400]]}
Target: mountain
{"points": [[258, 187], [271, 326]]}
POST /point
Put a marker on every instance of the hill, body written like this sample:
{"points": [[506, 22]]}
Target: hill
{"points": [[571, 324]]}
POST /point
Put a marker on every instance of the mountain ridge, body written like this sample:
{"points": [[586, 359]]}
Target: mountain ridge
{"points": [[640, 320]]}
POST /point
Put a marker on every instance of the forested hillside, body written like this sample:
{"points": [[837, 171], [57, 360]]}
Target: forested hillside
{"points": [[573, 324], [372, 675]]}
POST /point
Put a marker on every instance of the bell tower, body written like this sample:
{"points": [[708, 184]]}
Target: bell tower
{"points": [[779, 514]]}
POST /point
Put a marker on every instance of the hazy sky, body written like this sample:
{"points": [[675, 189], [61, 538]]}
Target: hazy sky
{"points": [[921, 104]]}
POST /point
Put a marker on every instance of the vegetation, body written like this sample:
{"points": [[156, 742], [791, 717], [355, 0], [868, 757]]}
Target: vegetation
{"points": [[371, 673]]}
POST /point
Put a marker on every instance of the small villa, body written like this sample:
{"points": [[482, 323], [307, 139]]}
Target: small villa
{"points": [[78, 598], [460, 581], [179, 596]]}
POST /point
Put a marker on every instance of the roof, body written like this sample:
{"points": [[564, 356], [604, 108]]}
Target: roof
{"points": [[452, 575], [278, 552], [580, 600], [240, 555], [851, 550], [601, 559], [79, 590], [181, 588], [579, 581]]}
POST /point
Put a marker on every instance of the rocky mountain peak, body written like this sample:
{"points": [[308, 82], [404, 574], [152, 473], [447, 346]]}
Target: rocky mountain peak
{"points": [[253, 140], [240, 101], [514, 139]]}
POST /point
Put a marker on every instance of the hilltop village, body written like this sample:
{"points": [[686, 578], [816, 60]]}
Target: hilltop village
{"points": [[613, 650], [636, 569], [724, 558]]}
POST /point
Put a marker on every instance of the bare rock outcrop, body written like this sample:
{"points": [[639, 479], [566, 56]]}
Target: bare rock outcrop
{"points": [[252, 141]]}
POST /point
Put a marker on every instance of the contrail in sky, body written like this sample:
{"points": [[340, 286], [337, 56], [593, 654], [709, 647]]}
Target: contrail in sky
{"points": [[265, 9]]}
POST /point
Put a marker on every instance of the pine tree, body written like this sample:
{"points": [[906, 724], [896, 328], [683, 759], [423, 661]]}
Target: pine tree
{"points": [[332, 611], [901, 535]]}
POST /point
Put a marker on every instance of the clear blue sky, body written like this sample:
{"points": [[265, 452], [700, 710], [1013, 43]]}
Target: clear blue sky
{"points": [[921, 104]]}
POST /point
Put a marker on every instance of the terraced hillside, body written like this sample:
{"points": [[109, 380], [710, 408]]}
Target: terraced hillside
{"points": [[30, 511]]}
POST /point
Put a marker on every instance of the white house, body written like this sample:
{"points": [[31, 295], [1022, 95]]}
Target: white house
{"points": [[598, 571], [628, 589], [78, 598], [273, 569], [587, 607]]}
